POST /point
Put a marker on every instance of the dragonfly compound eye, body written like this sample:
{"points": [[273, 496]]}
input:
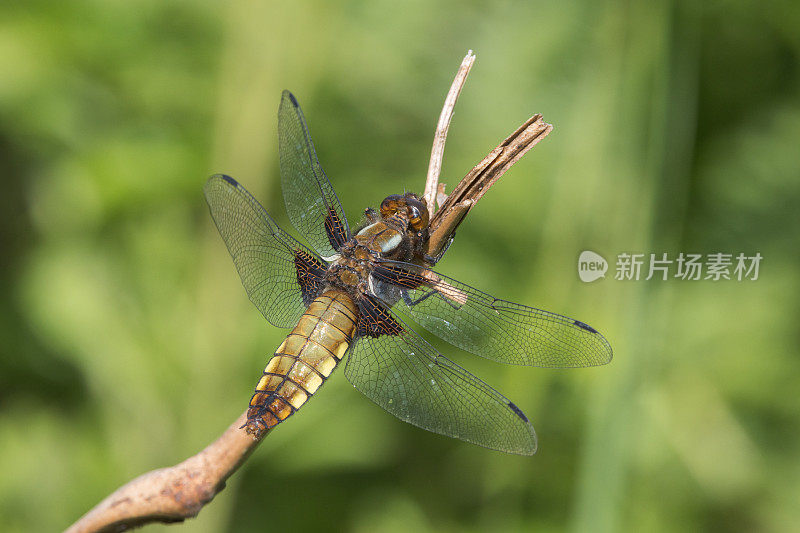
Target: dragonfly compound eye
{"points": [[417, 214], [390, 204]]}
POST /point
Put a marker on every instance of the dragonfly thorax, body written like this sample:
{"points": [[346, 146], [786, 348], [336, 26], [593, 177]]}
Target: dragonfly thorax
{"points": [[389, 235], [379, 238]]}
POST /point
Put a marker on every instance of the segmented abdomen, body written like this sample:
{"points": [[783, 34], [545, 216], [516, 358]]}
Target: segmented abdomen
{"points": [[303, 361]]}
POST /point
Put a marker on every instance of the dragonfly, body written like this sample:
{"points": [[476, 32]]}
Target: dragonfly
{"points": [[350, 294]]}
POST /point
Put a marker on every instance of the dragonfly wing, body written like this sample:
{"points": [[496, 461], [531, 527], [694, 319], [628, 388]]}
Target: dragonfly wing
{"points": [[312, 204], [395, 368], [490, 327], [280, 275]]}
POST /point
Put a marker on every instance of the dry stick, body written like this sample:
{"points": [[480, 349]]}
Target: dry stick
{"points": [[175, 493], [440, 137], [178, 492]]}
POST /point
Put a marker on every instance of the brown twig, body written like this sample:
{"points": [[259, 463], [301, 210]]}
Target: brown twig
{"points": [[440, 137], [475, 184], [175, 493]]}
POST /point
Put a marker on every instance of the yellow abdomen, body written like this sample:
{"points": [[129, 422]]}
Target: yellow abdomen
{"points": [[303, 361]]}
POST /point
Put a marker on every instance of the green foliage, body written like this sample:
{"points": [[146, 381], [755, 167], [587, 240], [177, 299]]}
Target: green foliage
{"points": [[128, 343]]}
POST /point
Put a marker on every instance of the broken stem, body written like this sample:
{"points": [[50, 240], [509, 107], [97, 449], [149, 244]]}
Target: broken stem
{"points": [[453, 208]]}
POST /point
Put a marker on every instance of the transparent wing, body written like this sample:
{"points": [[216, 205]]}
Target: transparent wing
{"points": [[278, 273], [311, 202], [490, 327], [407, 377]]}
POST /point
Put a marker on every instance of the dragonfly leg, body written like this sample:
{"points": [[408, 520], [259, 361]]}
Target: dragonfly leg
{"points": [[411, 303]]}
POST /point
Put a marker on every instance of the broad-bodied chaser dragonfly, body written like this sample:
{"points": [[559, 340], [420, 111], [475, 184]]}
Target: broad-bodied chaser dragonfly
{"points": [[346, 294]]}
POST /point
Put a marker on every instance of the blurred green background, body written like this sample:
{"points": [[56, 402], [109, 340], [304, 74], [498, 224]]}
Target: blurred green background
{"points": [[127, 342]]}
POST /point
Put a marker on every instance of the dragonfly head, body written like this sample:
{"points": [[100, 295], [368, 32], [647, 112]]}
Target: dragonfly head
{"points": [[410, 207]]}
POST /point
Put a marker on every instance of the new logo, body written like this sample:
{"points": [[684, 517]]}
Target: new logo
{"points": [[591, 266]]}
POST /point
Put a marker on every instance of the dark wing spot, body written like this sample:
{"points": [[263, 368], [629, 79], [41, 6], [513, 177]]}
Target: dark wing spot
{"points": [[293, 99], [375, 320], [518, 412], [310, 275], [230, 180], [587, 327]]}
